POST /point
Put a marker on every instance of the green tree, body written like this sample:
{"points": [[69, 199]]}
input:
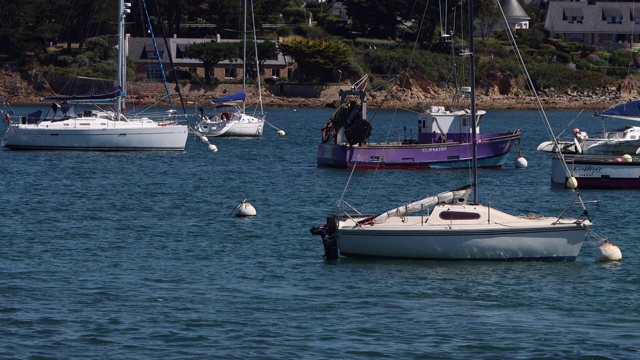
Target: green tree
{"points": [[317, 59], [211, 53], [266, 50], [376, 18], [488, 16]]}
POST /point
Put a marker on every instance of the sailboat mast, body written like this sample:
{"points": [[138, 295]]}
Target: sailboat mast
{"points": [[474, 121], [155, 47], [255, 49], [244, 55], [168, 47], [123, 10]]}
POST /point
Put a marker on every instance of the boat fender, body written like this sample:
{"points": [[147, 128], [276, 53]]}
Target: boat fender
{"points": [[327, 132], [8, 118], [608, 252], [225, 116], [578, 147]]}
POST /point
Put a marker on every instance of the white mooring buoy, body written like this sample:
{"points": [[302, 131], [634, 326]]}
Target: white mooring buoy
{"points": [[608, 252], [521, 163], [281, 132], [572, 183], [244, 209], [213, 148], [627, 158]]}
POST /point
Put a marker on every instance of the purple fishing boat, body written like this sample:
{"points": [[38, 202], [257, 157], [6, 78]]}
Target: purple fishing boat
{"points": [[444, 139]]}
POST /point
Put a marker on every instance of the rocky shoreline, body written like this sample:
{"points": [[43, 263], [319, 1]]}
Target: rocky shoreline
{"points": [[31, 88]]}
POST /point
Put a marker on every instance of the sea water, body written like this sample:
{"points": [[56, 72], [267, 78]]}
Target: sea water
{"points": [[135, 255]]}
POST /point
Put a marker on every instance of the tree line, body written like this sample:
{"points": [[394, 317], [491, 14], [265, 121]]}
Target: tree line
{"points": [[31, 26], [382, 37]]}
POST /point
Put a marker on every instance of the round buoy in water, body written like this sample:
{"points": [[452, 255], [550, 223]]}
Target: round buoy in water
{"points": [[521, 163], [213, 148], [204, 139], [608, 252], [281, 132], [572, 183], [244, 209], [627, 158]]}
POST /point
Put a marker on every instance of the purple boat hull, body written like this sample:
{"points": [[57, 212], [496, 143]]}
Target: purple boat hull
{"points": [[492, 152]]}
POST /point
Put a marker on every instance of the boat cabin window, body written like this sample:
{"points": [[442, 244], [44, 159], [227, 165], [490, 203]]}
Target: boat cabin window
{"points": [[459, 215]]}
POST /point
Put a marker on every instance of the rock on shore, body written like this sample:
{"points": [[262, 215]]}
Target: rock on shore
{"points": [[416, 94]]}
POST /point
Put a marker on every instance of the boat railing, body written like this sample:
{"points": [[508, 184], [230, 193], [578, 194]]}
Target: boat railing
{"points": [[341, 209], [585, 214]]}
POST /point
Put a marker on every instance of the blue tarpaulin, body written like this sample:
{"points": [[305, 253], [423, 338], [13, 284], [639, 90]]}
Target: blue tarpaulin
{"points": [[240, 96], [629, 110]]}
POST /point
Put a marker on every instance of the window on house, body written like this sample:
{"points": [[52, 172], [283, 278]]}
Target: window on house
{"points": [[230, 73], [275, 73], [152, 54], [612, 15], [180, 53], [614, 20], [572, 15], [154, 72], [576, 37]]}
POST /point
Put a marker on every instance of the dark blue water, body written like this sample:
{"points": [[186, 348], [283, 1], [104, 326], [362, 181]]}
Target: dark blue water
{"points": [[136, 256]]}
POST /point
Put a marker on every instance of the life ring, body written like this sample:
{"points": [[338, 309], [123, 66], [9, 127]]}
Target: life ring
{"points": [[225, 116], [8, 118]]}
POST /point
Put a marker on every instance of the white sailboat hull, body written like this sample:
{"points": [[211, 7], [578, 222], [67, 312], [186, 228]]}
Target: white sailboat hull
{"points": [[231, 128], [121, 137], [504, 237]]}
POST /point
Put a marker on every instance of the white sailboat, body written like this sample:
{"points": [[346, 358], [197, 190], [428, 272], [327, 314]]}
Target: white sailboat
{"points": [[450, 227], [62, 128], [229, 118]]}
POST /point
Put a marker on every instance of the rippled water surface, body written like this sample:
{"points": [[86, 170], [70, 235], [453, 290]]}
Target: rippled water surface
{"points": [[135, 255]]}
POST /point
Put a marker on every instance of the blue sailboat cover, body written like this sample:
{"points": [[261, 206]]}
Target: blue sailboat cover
{"points": [[109, 94], [627, 110], [239, 96]]}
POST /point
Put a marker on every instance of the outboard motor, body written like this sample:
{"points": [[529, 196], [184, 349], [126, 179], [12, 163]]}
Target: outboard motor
{"points": [[329, 235]]}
